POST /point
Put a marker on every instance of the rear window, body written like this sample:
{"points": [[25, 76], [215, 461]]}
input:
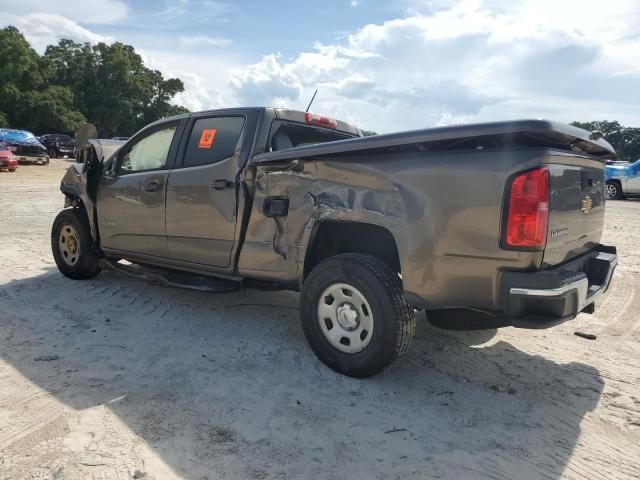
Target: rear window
{"points": [[212, 140], [288, 135]]}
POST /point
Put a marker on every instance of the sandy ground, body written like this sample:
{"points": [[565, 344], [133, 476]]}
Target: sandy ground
{"points": [[113, 378]]}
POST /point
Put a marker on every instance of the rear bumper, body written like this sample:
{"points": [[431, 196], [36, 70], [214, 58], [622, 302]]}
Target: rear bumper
{"points": [[6, 163], [549, 297]]}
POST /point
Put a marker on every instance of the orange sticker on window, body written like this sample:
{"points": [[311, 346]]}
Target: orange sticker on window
{"points": [[206, 139]]}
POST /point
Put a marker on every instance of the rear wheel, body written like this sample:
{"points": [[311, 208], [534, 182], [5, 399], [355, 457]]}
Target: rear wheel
{"points": [[354, 314], [72, 245], [613, 191], [12, 170]]}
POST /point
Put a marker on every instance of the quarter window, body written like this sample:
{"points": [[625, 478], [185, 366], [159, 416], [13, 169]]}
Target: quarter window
{"points": [[213, 140], [150, 153]]}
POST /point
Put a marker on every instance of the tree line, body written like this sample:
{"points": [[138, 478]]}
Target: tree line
{"points": [[107, 85], [626, 140]]}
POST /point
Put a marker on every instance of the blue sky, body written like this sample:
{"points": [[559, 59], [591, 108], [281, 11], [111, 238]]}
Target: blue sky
{"points": [[383, 65]]}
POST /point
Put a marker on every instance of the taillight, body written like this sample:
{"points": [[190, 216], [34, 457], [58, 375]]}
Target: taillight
{"points": [[527, 215], [320, 120]]}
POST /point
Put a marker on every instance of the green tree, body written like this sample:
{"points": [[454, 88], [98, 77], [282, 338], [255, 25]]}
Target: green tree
{"points": [[112, 86], [49, 110], [369, 133], [3, 120], [625, 140], [21, 70]]}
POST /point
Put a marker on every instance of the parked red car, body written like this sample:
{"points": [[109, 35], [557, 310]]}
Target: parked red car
{"points": [[7, 160]]}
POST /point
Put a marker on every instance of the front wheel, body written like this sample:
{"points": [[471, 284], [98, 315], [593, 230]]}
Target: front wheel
{"points": [[354, 314], [72, 245], [613, 191]]}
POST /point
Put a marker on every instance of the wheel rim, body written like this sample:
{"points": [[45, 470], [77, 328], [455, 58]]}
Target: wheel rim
{"points": [[69, 245], [610, 191], [345, 318]]}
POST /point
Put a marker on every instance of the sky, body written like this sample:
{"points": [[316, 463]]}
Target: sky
{"points": [[382, 65]]}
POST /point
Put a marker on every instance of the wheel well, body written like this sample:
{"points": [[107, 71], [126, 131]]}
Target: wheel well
{"points": [[333, 238], [616, 181]]}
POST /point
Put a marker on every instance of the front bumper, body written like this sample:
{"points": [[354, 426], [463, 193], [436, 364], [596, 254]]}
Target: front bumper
{"points": [[31, 158], [549, 297]]}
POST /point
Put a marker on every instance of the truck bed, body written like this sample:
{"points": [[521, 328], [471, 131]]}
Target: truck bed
{"points": [[525, 133]]}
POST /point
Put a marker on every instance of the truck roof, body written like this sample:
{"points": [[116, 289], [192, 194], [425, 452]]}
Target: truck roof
{"points": [[284, 114]]}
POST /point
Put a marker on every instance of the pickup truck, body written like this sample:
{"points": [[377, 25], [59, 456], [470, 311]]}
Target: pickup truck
{"points": [[496, 224], [623, 180]]}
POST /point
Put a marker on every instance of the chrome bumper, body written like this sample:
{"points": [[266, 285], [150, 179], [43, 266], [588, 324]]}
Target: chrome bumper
{"points": [[546, 298]]}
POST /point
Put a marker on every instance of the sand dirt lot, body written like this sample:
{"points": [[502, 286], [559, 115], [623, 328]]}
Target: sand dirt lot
{"points": [[113, 378]]}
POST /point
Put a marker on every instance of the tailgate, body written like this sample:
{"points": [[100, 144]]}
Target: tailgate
{"points": [[576, 207]]}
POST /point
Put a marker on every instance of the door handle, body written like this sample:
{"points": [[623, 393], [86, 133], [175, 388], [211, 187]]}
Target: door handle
{"points": [[152, 186], [221, 184]]}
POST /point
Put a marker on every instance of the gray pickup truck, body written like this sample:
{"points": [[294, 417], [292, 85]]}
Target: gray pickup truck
{"points": [[482, 225]]}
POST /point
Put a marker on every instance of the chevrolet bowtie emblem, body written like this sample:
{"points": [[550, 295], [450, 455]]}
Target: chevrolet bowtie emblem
{"points": [[587, 204]]}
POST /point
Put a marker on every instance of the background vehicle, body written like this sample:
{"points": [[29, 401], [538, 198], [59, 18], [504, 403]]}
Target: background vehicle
{"points": [[57, 145], [623, 180], [499, 223], [25, 147], [7, 159]]}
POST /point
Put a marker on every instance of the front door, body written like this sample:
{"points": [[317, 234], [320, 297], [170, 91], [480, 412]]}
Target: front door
{"points": [[201, 192], [131, 195]]}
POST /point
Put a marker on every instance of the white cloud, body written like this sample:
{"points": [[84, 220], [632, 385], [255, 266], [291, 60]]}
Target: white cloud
{"points": [[467, 60], [266, 79], [445, 61], [42, 29], [201, 41], [84, 11]]}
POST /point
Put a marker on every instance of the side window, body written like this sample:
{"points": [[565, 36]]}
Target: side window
{"points": [[212, 140], [150, 153]]}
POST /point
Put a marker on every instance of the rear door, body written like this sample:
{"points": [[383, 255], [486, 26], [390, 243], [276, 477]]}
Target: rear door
{"points": [[131, 195], [201, 191]]}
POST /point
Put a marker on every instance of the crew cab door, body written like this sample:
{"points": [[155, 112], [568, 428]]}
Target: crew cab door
{"points": [[201, 190], [131, 194]]}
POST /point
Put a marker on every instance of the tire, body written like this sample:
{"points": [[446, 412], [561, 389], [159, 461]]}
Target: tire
{"points": [[80, 260], [12, 170], [613, 191], [391, 318], [45, 162]]}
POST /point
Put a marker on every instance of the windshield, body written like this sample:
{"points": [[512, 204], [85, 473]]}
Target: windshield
{"points": [[15, 135]]}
